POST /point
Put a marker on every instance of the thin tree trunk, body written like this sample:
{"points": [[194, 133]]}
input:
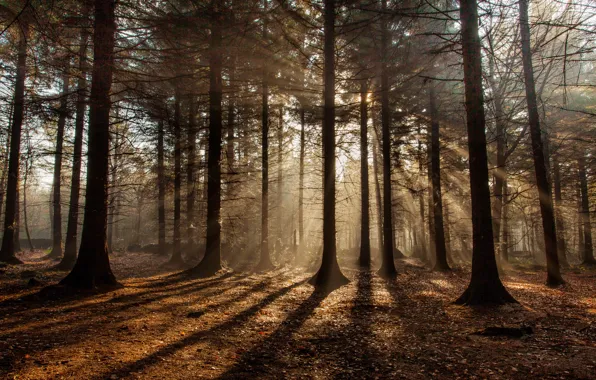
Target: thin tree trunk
{"points": [[440, 248], [70, 247], [7, 252], [329, 276], [265, 259], [280, 143], [588, 250], [560, 223], [485, 285], [161, 192], [505, 223], [364, 259], [57, 224], [176, 258], [191, 187], [92, 267], [387, 265], [379, 200], [301, 178], [211, 262], [544, 190]]}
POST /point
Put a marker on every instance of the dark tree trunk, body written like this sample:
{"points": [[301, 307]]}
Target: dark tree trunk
{"points": [[57, 224], [70, 247], [544, 190], [17, 219], [379, 200], [588, 250], [301, 179], [231, 118], [265, 259], [191, 188], [440, 248], [211, 262], [580, 221], [280, 143], [5, 168], [7, 252], [560, 224], [364, 259], [176, 258], [485, 285], [161, 190], [387, 265], [92, 267], [329, 277], [504, 250]]}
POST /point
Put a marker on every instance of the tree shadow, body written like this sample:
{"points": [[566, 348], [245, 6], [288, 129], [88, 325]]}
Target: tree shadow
{"points": [[235, 322]]}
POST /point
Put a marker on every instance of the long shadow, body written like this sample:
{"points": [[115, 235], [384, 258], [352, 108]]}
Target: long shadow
{"points": [[55, 296], [255, 362], [235, 322]]}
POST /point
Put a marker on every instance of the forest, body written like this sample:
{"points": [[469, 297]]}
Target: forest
{"points": [[325, 189]]}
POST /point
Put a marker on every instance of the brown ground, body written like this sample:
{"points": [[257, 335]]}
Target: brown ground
{"points": [[272, 325]]}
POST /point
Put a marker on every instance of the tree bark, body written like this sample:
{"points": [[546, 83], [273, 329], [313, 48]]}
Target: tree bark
{"points": [[191, 188], [329, 277], [485, 285], [176, 258], [559, 220], [211, 262], [364, 259], [57, 225], [70, 246], [588, 250], [301, 179], [387, 265], [542, 182], [92, 268], [7, 252], [161, 192], [440, 248], [265, 259]]}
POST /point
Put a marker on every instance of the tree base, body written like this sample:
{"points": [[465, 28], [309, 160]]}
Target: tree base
{"points": [[485, 294], [265, 265], [54, 254], [387, 272], [175, 262], [399, 255], [65, 265], [441, 268], [589, 262], [204, 269], [13, 260], [554, 281], [90, 281], [326, 281]]}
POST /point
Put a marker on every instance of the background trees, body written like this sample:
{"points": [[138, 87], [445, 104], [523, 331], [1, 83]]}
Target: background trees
{"points": [[204, 93]]}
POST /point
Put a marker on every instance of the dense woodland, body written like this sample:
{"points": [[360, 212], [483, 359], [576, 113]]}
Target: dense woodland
{"points": [[400, 158]]}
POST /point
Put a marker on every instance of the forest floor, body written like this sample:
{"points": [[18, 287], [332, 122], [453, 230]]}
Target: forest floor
{"points": [[244, 325]]}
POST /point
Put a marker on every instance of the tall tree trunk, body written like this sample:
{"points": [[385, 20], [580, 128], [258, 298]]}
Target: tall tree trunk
{"points": [[211, 262], [560, 223], [92, 267], [191, 186], [387, 265], [265, 259], [379, 200], [5, 168], [504, 249], [301, 179], [280, 143], [329, 277], [7, 252], [70, 246], [57, 225], [161, 192], [485, 285], [231, 118], [544, 191], [364, 259], [28, 166], [440, 248], [176, 258], [588, 250]]}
